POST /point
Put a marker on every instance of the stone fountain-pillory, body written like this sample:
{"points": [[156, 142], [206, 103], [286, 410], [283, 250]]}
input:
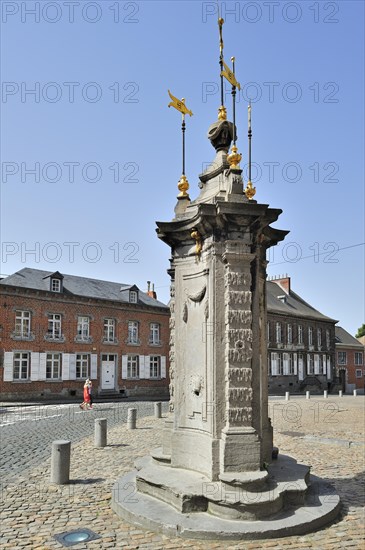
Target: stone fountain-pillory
{"points": [[214, 477]]}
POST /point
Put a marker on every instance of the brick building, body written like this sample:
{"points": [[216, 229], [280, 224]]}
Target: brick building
{"points": [[349, 361], [57, 330], [301, 342]]}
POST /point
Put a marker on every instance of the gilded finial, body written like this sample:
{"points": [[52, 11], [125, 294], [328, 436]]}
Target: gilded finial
{"points": [[198, 240], [250, 190], [234, 158], [222, 113], [183, 186]]}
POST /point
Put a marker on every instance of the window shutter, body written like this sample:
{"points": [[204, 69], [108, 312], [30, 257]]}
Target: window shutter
{"points": [[316, 364], [34, 366], [141, 367], [163, 366], [147, 372], [328, 367], [274, 363], [324, 364], [295, 359], [124, 366], [301, 369], [285, 363], [8, 366], [65, 366], [308, 364], [42, 366], [72, 372], [94, 366]]}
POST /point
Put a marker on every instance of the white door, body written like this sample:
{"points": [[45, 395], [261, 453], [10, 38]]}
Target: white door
{"points": [[107, 375]]}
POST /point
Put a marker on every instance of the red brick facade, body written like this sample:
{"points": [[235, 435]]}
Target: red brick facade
{"points": [[28, 368], [350, 367]]}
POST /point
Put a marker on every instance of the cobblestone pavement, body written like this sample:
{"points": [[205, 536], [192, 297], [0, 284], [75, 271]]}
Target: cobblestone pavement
{"points": [[27, 431], [326, 433]]}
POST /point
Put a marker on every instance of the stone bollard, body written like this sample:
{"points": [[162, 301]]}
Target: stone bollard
{"points": [[287, 396], [100, 432], [340, 393], [307, 394], [158, 410], [60, 462], [325, 394], [355, 393], [132, 419]]}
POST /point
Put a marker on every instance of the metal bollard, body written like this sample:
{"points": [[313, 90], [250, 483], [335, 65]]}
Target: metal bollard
{"points": [[340, 393], [100, 432], [158, 413], [307, 394], [287, 396], [355, 393], [325, 394], [132, 419], [60, 462]]}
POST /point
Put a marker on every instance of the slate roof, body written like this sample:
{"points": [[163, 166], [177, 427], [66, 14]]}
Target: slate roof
{"points": [[293, 306], [344, 338], [37, 279]]}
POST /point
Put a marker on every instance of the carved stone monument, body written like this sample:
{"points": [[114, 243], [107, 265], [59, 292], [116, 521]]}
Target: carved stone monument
{"points": [[214, 476]]}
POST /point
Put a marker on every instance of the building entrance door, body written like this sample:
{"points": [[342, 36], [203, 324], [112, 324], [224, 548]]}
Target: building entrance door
{"points": [[107, 372], [342, 374]]}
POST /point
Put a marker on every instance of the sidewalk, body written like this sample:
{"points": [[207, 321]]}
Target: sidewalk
{"points": [[33, 510]]}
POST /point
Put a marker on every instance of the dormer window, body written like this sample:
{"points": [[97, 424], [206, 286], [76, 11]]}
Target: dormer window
{"points": [[55, 285], [133, 296]]}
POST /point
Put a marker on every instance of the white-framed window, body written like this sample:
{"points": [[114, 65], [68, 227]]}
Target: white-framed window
{"points": [[328, 339], [133, 332], [342, 358], [21, 365], [53, 366], [133, 296], [289, 334], [133, 366], [358, 373], [319, 337], [55, 285], [310, 336], [83, 328], [155, 333], [311, 364], [82, 365], [54, 326], [280, 363], [359, 358], [155, 366], [22, 324], [300, 334], [278, 333], [109, 330]]}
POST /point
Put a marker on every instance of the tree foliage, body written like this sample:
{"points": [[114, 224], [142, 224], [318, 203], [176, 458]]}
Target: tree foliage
{"points": [[360, 331]]}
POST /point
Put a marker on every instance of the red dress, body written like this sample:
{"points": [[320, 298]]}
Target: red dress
{"points": [[86, 394]]}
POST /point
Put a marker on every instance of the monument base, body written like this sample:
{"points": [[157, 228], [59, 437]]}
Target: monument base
{"points": [[178, 502]]}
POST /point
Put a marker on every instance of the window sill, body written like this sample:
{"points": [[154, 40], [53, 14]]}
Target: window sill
{"points": [[110, 343]]}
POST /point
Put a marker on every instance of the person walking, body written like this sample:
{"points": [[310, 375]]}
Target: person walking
{"points": [[86, 403], [90, 385]]}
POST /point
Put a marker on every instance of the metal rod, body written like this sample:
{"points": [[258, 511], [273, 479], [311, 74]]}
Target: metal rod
{"points": [[183, 144], [249, 141], [234, 105]]}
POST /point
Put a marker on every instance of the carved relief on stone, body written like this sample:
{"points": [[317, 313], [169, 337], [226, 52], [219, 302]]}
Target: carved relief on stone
{"points": [[240, 415], [206, 310], [237, 279], [172, 323], [239, 296], [238, 375], [240, 394], [198, 296], [185, 313], [239, 356], [196, 384], [236, 335], [239, 316]]}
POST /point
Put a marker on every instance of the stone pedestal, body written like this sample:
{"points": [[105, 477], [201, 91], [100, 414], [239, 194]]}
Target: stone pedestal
{"points": [[213, 466]]}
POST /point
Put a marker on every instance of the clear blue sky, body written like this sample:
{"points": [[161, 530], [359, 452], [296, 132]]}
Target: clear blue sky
{"points": [[106, 150]]}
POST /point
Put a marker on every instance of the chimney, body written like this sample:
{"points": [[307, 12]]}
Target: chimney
{"points": [[152, 292], [283, 282]]}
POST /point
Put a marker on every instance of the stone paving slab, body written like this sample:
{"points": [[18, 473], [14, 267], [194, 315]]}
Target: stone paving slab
{"points": [[33, 510]]}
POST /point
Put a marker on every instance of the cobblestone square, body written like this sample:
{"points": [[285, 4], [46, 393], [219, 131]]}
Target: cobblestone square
{"points": [[328, 434]]}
